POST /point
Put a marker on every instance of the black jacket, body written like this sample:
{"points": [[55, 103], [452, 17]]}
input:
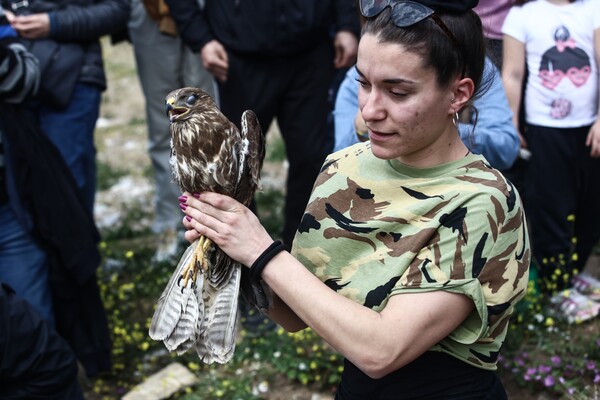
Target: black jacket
{"points": [[263, 27], [83, 22]]}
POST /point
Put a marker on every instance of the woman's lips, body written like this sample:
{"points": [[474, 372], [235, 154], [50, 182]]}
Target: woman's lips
{"points": [[379, 136]]}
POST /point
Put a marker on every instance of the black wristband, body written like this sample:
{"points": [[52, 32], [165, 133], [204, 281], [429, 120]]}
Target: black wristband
{"points": [[261, 262]]}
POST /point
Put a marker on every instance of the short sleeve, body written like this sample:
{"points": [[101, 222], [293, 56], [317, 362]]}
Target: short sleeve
{"points": [[478, 251], [513, 24]]}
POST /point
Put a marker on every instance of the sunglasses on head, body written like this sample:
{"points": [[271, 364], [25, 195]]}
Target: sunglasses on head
{"points": [[405, 14]]}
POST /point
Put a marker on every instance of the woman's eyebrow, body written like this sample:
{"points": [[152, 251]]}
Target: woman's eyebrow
{"points": [[391, 81]]}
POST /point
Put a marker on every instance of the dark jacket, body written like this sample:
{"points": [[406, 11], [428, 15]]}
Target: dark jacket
{"points": [[83, 22], [35, 362], [263, 27]]}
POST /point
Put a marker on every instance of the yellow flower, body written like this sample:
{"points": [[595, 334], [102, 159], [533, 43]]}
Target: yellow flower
{"points": [[549, 321], [193, 366], [129, 254]]}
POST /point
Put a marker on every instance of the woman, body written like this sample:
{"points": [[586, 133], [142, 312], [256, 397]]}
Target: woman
{"points": [[558, 43], [412, 252]]}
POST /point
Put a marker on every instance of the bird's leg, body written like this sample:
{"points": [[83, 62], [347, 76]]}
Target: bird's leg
{"points": [[198, 257]]}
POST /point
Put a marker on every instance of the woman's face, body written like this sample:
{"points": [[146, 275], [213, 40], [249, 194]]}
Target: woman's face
{"points": [[409, 117]]}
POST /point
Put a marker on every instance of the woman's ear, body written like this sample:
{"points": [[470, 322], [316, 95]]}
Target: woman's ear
{"points": [[463, 90]]}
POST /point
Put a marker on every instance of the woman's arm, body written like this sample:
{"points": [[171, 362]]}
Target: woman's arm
{"points": [[378, 343]]}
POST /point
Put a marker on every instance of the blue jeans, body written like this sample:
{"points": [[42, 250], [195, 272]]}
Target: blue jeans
{"points": [[72, 132], [24, 265]]}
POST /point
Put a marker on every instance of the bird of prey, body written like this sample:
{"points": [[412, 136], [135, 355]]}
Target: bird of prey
{"points": [[199, 306]]}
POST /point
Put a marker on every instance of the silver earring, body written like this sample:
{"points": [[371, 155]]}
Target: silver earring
{"points": [[455, 120]]}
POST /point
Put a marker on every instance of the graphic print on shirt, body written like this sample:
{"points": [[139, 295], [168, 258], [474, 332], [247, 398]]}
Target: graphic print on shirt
{"points": [[565, 59]]}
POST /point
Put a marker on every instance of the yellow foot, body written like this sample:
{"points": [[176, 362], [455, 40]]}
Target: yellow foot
{"points": [[198, 259]]}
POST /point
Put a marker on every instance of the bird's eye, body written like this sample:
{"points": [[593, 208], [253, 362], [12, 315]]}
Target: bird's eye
{"points": [[191, 99]]}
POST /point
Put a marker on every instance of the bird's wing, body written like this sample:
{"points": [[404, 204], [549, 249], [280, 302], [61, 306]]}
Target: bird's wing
{"points": [[218, 330], [173, 302], [254, 154]]}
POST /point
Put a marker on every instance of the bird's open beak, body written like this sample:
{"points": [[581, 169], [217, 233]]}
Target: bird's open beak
{"points": [[172, 111]]}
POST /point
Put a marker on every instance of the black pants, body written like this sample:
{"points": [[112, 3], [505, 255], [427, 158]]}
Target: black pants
{"points": [[562, 202], [432, 376], [294, 90]]}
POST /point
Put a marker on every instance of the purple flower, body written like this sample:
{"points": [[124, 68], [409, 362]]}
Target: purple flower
{"points": [[549, 381], [597, 379], [590, 365], [555, 360], [544, 369]]}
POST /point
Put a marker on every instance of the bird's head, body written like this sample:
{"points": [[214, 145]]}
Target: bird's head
{"points": [[181, 102]]}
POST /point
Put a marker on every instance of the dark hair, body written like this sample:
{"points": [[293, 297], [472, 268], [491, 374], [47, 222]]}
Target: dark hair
{"points": [[448, 58]]}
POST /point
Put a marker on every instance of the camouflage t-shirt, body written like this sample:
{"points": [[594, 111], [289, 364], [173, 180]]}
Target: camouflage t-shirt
{"points": [[375, 228]]}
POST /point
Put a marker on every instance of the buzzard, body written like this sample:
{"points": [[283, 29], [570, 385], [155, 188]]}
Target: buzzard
{"points": [[199, 306]]}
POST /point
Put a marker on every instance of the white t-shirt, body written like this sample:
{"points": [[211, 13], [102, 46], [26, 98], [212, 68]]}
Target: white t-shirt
{"points": [[562, 88]]}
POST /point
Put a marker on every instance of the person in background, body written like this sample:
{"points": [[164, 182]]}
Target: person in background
{"points": [[163, 64], [558, 42], [276, 58], [36, 361], [494, 135], [492, 14], [19, 82], [65, 37], [413, 251], [47, 206]]}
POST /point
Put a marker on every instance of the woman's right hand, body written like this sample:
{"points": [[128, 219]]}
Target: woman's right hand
{"points": [[227, 223]]}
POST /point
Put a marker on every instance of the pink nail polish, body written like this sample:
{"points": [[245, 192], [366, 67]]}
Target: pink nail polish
{"points": [[196, 195], [182, 199], [188, 218], [182, 206]]}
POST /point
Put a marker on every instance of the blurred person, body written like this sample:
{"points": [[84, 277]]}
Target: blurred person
{"points": [[163, 63], [276, 58], [494, 135], [48, 238], [492, 14], [36, 361], [558, 42], [65, 36], [412, 252]]}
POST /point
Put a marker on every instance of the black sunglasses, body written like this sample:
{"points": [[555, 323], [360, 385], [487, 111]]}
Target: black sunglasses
{"points": [[405, 14]]}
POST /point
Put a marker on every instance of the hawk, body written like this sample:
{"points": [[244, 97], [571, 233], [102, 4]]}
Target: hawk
{"points": [[198, 308]]}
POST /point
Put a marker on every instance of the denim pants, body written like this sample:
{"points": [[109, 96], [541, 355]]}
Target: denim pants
{"points": [[24, 265], [72, 132]]}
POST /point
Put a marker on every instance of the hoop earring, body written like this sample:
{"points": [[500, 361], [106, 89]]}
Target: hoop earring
{"points": [[455, 119]]}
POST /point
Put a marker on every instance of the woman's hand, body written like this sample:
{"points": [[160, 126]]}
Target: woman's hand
{"points": [[593, 140], [228, 223]]}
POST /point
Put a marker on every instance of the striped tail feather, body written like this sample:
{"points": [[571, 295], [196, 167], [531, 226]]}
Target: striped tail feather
{"points": [[173, 301]]}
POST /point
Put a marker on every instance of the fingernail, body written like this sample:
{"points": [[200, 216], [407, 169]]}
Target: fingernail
{"points": [[188, 218], [182, 199], [182, 206], [196, 195]]}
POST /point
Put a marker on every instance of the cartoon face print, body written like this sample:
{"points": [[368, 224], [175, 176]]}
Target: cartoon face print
{"points": [[564, 59]]}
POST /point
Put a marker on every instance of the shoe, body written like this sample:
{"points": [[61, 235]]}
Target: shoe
{"points": [[574, 306], [587, 285]]}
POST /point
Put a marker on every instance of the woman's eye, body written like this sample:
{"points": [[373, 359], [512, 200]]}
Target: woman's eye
{"points": [[362, 83], [191, 99], [397, 94]]}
